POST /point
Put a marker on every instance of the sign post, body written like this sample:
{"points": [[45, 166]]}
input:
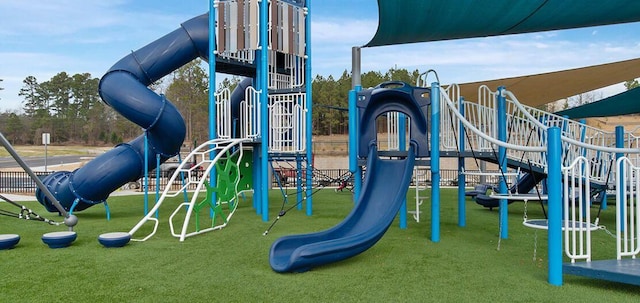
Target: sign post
{"points": [[46, 140]]}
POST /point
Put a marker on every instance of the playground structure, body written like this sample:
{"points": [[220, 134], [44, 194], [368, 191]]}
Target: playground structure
{"points": [[269, 114], [270, 120]]}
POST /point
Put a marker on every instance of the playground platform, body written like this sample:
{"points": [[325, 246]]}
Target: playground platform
{"points": [[624, 271]]}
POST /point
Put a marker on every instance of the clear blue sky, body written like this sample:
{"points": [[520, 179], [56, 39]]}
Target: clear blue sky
{"points": [[42, 38]]}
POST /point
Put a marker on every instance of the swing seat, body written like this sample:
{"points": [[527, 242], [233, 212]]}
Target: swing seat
{"points": [[114, 239], [480, 189], [8, 241], [487, 201], [573, 225], [59, 239]]}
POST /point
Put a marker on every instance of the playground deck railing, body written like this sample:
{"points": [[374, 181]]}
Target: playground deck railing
{"points": [[223, 110], [526, 126], [578, 154], [601, 153], [519, 131], [250, 114], [576, 201], [628, 209], [287, 116]]}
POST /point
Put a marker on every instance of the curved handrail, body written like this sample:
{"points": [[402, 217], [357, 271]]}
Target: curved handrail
{"points": [[567, 139], [476, 131]]}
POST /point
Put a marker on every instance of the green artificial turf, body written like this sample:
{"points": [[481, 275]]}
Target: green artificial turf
{"points": [[231, 265]]}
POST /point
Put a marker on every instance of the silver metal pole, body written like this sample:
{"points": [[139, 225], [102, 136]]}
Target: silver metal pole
{"points": [[33, 176], [356, 79]]}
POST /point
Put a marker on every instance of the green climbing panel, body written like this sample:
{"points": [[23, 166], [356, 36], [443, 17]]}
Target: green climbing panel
{"points": [[230, 179]]}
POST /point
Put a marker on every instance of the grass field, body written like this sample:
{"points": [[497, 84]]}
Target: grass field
{"points": [[231, 265], [54, 150]]}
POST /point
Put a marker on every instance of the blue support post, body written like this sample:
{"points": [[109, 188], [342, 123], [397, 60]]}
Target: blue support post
{"points": [[554, 155], [212, 69], [157, 191], [308, 87], [462, 205], [354, 168], [353, 120], [623, 190], [583, 134], [263, 87], [501, 116], [402, 142], [435, 162], [145, 180], [354, 139], [212, 90]]}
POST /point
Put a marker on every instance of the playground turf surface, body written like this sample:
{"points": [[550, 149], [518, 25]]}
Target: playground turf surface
{"points": [[232, 265]]}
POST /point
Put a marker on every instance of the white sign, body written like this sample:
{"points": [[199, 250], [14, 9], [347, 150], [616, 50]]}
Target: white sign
{"points": [[46, 138]]}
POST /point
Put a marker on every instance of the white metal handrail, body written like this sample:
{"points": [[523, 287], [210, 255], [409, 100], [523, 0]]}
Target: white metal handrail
{"points": [[628, 209], [576, 201], [223, 114], [485, 139], [287, 117], [573, 141], [393, 127], [599, 155], [250, 114], [450, 106]]}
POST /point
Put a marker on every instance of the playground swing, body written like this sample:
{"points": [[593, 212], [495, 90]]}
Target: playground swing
{"points": [[480, 191], [569, 200]]}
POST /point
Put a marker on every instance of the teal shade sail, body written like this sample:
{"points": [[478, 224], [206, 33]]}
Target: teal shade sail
{"points": [[410, 21], [625, 103]]}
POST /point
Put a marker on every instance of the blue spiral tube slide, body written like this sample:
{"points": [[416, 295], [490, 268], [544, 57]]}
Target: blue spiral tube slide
{"points": [[124, 88]]}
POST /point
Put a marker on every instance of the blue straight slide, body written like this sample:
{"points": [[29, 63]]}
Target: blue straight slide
{"points": [[384, 190], [124, 87]]}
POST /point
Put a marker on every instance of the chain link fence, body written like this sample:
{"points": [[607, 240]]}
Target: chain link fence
{"points": [[20, 182]]}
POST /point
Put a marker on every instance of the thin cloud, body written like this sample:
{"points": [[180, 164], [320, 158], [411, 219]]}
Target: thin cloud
{"points": [[351, 32], [43, 38]]}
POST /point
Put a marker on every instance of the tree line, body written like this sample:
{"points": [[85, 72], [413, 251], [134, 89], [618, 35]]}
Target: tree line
{"points": [[69, 108]]}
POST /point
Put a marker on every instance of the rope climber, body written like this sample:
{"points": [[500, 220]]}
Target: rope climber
{"points": [[25, 213]]}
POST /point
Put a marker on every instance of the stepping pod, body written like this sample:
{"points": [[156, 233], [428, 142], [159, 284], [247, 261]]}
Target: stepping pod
{"points": [[59, 239], [114, 239], [8, 241]]}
